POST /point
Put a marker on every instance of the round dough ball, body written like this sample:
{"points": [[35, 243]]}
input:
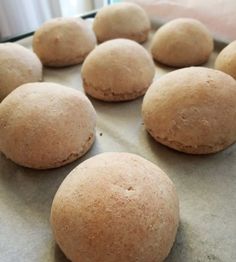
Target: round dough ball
{"points": [[18, 65], [116, 207], [63, 41], [192, 110], [117, 70], [226, 60], [182, 42], [122, 20], [46, 125]]}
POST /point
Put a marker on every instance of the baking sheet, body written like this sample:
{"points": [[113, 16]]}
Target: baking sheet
{"points": [[206, 186]]}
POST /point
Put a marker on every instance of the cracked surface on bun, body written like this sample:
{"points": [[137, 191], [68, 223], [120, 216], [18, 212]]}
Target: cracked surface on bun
{"points": [[46, 125], [117, 70], [116, 207], [192, 110]]}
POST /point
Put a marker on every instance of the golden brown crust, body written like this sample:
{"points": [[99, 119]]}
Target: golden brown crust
{"points": [[226, 60], [51, 125], [192, 110], [122, 20], [117, 70], [182, 42], [18, 66], [116, 207], [63, 41]]}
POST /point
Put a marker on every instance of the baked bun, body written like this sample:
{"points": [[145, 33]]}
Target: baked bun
{"points": [[117, 70], [115, 207], [18, 65], [192, 110], [63, 41], [46, 125], [182, 42], [122, 20], [226, 60]]}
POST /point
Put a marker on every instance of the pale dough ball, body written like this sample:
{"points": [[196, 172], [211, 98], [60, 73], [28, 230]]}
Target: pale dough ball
{"points": [[116, 207], [63, 41], [18, 65], [117, 70], [122, 20], [192, 110], [46, 125], [182, 42], [226, 60]]}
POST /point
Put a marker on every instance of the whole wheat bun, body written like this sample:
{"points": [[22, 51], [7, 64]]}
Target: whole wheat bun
{"points": [[182, 42], [226, 60], [117, 70], [121, 20], [192, 110], [46, 125], [115, 207], [18, 65], [63, 41]]}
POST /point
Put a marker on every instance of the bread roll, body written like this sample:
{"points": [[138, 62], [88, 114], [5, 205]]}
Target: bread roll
{"points": [[192, 110], [46, 125], [18, 65], [182, 42], [115, 207], [226, 60], [63, 41], [117, 70], [121, 20]]}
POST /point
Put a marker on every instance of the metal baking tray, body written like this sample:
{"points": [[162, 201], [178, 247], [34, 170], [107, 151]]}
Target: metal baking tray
{"points": [[206, 184]]}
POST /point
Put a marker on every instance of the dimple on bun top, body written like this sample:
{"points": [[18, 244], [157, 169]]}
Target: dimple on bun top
{"points": [[63, 41], [115, 207]]}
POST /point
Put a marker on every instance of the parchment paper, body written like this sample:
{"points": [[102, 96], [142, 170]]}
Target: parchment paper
{"points": [[206, 187]]}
